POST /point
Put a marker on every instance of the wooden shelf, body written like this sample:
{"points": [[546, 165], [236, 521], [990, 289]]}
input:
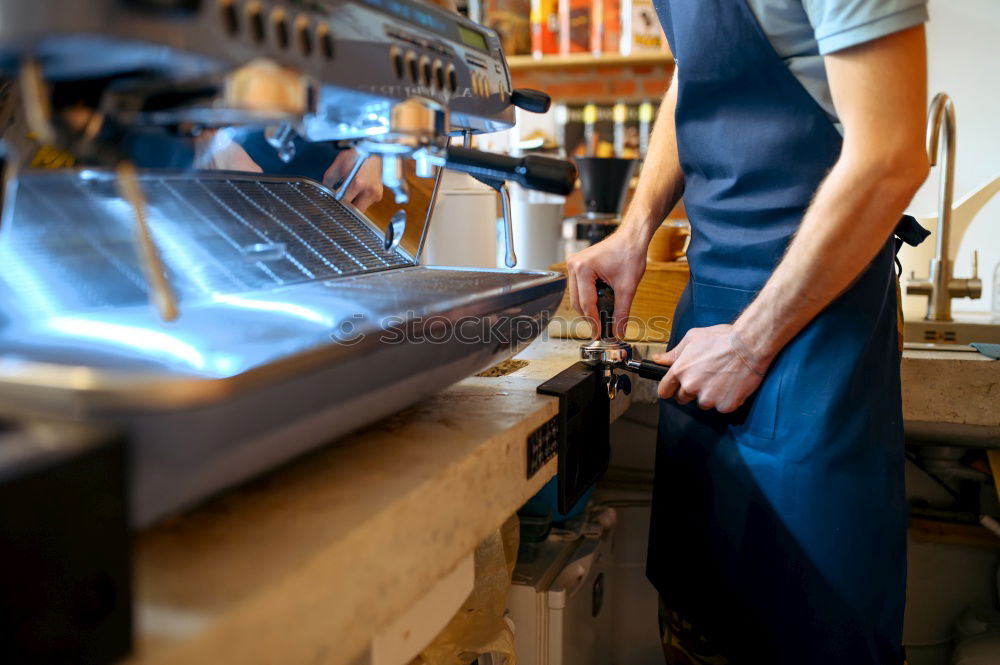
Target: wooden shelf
{"points": [[525, 63]]}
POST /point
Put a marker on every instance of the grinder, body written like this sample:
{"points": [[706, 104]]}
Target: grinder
{"points": [[610, 353]]}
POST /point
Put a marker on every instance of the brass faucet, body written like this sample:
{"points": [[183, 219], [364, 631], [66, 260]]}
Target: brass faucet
{"points": [[941, 286]]}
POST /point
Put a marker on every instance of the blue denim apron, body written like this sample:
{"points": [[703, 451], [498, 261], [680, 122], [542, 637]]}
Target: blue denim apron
{"points": [[779, 530]]}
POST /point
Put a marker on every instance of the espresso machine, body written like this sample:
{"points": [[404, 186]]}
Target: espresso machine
{"points": [[168, 333]]}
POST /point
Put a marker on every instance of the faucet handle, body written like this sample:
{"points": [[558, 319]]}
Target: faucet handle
{"points": [[975, 264]]}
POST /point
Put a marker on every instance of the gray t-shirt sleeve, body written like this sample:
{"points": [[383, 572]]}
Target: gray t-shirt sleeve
{"points": [[840, 24]]}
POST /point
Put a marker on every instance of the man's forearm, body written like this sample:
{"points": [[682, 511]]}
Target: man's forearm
{"points": [[850, 219], [881, 165], [661, 181]]}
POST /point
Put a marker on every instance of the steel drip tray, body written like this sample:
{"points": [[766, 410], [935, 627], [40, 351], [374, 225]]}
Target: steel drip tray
{"points": [[70, 241], [295, 327], [266, 270]]}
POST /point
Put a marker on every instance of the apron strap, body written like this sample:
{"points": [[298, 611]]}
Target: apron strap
{"points": [[910, 231]]}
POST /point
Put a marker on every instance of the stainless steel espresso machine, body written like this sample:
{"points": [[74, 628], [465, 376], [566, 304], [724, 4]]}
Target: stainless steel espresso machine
{"points": [[210, 325], [230, 321]]}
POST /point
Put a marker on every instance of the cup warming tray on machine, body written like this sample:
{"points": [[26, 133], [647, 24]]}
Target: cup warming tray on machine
{"points": [[296, 325]]}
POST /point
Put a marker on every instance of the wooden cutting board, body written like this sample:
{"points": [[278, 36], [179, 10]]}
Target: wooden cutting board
{"points": [[652, 309]]}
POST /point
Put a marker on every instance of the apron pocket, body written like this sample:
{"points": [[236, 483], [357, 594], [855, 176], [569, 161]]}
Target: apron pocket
{"points": [[762, 412], [715, 305], [718, 304]]}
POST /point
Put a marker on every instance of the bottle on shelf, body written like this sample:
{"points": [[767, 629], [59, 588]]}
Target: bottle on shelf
{"points": [[574, 26], [544, 28]]}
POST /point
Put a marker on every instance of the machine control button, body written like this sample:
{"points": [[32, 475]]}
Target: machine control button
{"points": [[326, 41], [411, 66], [439, 75], [425, 70], [230, 17], [304, 36], [280, 23], [396, 60], [256, 20]]}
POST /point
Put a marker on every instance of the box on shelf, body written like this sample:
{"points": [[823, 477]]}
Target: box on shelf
{"points": [[511, 19], [574, 26], [544, 27], [606, 26], [641, 32]]}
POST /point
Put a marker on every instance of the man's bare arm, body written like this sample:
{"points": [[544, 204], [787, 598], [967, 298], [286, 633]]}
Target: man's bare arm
{"points": [[661, 181], [880, 92], [620, 260]]}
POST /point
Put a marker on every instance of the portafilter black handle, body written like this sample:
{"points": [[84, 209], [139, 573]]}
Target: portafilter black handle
{"points": [[606, 309], [545, 174], [647, 369]]}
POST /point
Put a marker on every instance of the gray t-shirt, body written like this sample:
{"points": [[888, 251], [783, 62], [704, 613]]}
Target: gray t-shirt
{"points": [[803, 31]]}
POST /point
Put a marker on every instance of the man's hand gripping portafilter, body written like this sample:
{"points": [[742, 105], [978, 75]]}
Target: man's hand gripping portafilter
{"points": [[610, 353]]}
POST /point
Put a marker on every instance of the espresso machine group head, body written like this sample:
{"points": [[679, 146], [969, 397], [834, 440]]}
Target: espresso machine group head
{"points": [[393, 79]]}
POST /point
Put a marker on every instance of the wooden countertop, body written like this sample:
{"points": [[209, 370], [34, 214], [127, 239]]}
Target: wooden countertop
{"points": [[307, 563], [944, 392], [940, 387]]}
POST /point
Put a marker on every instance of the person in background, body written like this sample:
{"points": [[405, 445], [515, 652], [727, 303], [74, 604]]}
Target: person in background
{"points": [[794, 129], [245, 150]]}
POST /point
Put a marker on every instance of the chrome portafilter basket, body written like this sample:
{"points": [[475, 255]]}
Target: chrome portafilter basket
{"points": [[608, 353]]}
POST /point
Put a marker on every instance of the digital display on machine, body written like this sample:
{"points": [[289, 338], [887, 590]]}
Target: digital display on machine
{"points": [[472, 38], [414, 13], [411, 13]]}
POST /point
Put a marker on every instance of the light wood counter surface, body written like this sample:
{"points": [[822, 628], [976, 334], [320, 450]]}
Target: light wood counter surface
{"points": [[944, 391], [307, 563]]}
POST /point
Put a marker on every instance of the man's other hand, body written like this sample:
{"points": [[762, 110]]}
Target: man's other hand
{"points": [[366, 188], [215, 150], [708, 366]]}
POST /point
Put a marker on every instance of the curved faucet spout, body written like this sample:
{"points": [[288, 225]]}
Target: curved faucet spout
{"points": [[941, 286], [941, 119]]}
